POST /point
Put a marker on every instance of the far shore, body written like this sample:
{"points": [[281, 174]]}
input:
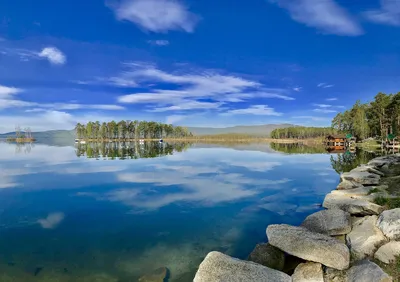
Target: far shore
{"points": [[219, 139]]}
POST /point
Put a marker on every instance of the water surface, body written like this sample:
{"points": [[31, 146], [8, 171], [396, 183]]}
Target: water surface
{"points": [[112, 213]]}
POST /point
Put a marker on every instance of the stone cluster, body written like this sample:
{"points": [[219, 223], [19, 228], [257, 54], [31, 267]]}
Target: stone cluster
{"points": [[335, 244]]}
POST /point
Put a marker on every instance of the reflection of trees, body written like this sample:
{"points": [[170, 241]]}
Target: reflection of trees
{"points": [[297, 148], [128, 150], [347, 161], [23, 148]]}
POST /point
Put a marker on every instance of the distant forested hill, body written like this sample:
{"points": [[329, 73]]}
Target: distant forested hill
{"points": [[51, 137], [253, 130]]}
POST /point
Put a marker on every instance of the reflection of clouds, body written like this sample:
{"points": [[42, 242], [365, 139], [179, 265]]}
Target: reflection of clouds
{"points": [[279, 208], [91, 169], [259, 166], [52, 220]]}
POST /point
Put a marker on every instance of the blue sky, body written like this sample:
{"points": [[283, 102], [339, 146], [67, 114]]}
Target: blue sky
{"points": [[195, 63]]}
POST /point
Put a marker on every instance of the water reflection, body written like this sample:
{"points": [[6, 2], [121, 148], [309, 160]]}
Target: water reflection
{"points": [[86, 219], [129, 150]]}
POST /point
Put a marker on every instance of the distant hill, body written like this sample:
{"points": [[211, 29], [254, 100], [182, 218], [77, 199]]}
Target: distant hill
{"points": [[254, 130], [51, 137]]}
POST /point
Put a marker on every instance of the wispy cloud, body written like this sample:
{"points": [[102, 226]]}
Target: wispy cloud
{"points": [[331, 99], [52, 220], [322, 105], [6, 91], [193, 87], [325, 111], [325, 85], [156, 15], [389, 13], [54, 55], [172, 119], [158, 42], [313, 118], [326, 16], [261, 110], [297, 89]]}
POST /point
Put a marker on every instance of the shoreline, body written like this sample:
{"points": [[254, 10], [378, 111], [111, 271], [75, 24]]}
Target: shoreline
{"points": [[219, 139], [356, 237]]}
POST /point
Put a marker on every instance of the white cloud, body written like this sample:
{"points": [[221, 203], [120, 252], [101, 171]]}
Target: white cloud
{"points": [[262, 110], [325, 111], [389, 13], [52, 220], [297, 89], [325, 85], [54, 55], [313, 118], [156, 15], [6, 91], [172, 119], [331, 99], [322, 105], [193, 87], [326, 16], [159, 42]]}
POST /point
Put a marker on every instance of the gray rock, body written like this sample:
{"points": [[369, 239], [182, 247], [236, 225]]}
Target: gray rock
{"points": [[388, 252], [345, 185], [269, 256], [334, 275], [389, 223], [367, 271], [361, 191], [329, 222], [365, 237], [351, 205], [217, 267], [302, 243], [308, 272], [367, 168], [361, 177]]}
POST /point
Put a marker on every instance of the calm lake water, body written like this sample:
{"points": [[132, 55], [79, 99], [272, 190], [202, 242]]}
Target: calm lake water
{"points": [[106, 213]]}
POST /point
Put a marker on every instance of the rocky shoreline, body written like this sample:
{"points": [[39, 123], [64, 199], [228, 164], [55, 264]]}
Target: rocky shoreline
{"points": [[353, 239]]}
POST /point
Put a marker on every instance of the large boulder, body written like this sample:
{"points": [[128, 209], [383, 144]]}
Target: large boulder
{"points": [[388, 252], [368, 168], [367, 271], [365, 237], [308, 272], [268, 255], [361, 177], [330, 222], [361, 191], [346, 184], [351, 205], [217, 267], [302, 243], [389, 223]]}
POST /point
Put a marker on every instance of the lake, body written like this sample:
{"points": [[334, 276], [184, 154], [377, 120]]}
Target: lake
{"points": [[111, 213]]}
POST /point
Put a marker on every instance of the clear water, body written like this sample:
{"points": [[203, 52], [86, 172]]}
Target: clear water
{"points": [[72, 214]]}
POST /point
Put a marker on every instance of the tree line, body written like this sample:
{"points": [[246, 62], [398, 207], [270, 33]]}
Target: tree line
{"points": [[377, 118], [124, 130], [302, 132]]}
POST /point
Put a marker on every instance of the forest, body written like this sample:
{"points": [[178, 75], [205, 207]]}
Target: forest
{"points": [[301, 132], [377, 118], [128, 130]]}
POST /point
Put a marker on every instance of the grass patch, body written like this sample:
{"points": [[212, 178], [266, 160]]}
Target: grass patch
{"points": [[393, 269], [374, 190], [389, 203]]}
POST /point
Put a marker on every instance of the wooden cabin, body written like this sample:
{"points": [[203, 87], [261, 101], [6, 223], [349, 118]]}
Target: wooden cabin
{"points": [[335, 140]]}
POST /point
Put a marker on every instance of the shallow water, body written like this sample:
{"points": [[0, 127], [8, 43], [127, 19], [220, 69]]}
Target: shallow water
{"points": [[107, 213]]}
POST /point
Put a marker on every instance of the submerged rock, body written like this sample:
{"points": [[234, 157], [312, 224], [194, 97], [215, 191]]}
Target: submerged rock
{"points": [[388, 252], [330, 222], [308, 272], [367, 271], [158, 275], [268, 255], [351, 205], [300, 242], [389, 223], [361, 177], [217, 267], [365, 237]]}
